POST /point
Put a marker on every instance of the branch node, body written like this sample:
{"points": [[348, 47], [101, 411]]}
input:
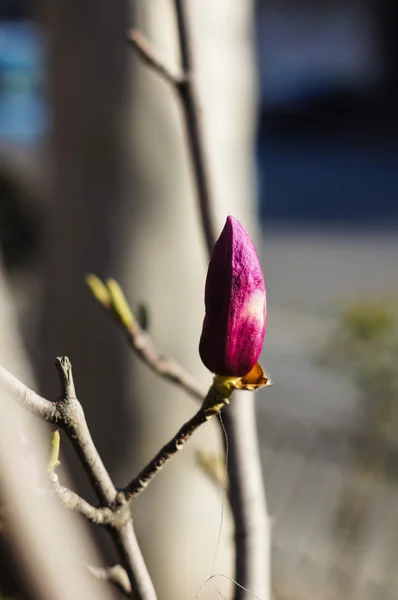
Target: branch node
{"points": [[98, 515], [64, 369], [115, 575], [143, 48]]}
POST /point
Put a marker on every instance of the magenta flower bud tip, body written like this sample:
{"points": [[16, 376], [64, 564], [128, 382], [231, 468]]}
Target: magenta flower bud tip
{"points": [[235, 299]]}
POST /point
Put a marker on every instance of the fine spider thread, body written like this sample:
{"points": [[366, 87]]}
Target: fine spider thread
{"points": [[224, 492], [212, 577]]}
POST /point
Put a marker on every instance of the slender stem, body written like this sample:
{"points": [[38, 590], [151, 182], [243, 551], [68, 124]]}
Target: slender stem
{"points": [[115, 575], [184, 38], [72, 501], [162, 365], [76, 427], [190, 106], [68, 414], [117, 307], [139, 483], [213, 403], [78, 431], [247, 500], [184, 84], [147, 53], [133, 561], [28, 398]]}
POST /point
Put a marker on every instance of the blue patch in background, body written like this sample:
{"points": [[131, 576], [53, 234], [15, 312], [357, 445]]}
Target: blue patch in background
{"points": [[24, 115]]}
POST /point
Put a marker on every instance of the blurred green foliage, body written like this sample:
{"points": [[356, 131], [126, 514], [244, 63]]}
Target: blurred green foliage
{"points": [[367, 322], [364, 347]]}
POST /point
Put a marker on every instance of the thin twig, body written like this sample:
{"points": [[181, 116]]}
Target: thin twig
{"points": [[115, 575], [247, 501], [72, 501], [68, 413], [190, 105], [162, 365], [185, 86], [78, 431], [28, 398], [111, 297], [75, 425], [212, 405], [147, 53]]}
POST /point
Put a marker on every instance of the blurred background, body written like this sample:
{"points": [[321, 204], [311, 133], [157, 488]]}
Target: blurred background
{"points": [[92, 164]]}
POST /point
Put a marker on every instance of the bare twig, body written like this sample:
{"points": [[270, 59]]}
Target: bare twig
{"points": [[212, 405], [146, 52], [113, 300], [75, 425], [190, 106], [127, 544], [115, 575], [162, 365], [72, 501], [28, 398], [185, 86], [77, 429], [247, 500], [68, 413]]}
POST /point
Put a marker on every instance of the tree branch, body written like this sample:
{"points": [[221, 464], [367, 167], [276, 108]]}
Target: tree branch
{"points": [[213, 403], [184, 84], [190, 106], [143, 48], [162, 365], [247, 500], [68, 413], [72, 501], [78, 432], [75, 425], [27, 398], [111, 297], [115, 575]]}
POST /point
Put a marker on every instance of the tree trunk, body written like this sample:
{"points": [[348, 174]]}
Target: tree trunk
{"points": [[124, 206], [167, 268]]}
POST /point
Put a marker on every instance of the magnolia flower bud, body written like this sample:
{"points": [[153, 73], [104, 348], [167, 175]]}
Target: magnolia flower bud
{"points": [[235, 299]]}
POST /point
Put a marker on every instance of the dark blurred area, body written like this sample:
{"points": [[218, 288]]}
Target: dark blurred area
{"points": [[24, 120], [327, 140], [328, 134]]}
